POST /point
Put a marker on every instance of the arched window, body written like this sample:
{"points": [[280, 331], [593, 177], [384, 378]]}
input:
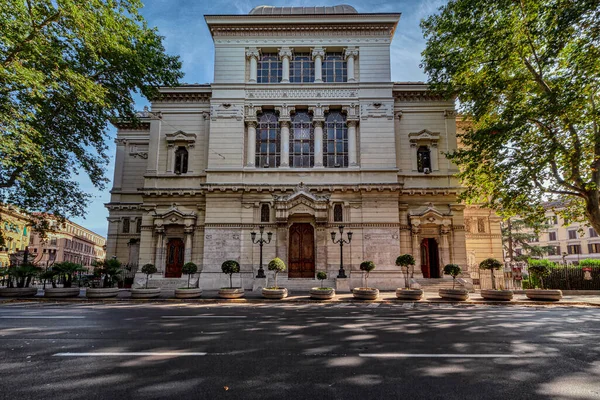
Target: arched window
{"points": [[423, 159], [265, 213], [267, 141], [335, 141], [181, 160], [302, 146], [338, 215], [269, 68]]}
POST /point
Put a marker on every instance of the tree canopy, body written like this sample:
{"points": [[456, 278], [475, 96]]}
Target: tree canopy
{"points": [[67, 67], [526, 76]]}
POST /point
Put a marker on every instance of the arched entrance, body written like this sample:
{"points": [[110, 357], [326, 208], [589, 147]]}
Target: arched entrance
{"points": [[175, 252], [430, 258], [302, 251]]}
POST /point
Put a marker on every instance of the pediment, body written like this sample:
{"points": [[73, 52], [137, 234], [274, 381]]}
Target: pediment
{"points": [[181, 137], [428, 214], [424, 135], [302, 192], [175, 216]]}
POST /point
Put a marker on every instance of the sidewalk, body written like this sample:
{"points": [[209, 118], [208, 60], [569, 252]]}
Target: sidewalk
{"points": [[386, 297]]}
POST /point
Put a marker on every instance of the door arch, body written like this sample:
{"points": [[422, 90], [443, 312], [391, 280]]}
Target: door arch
{"points": [[430, 258], [175, 252], [302, 251]]}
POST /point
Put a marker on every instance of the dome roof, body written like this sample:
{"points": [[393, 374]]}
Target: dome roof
{"points": [[270, 10]]}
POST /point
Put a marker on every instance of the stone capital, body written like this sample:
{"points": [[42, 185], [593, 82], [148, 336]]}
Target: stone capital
{"points": [[285, 52], [352, 123], [318, 52], [252, 52], [251, 123], [350, 52], [318, 123], [284, 123]]}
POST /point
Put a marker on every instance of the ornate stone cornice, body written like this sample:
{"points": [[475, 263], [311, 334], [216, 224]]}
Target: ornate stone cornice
{"points": [[123, 206], [181, 97], [325, 30], [417, 95], [301, 94]]}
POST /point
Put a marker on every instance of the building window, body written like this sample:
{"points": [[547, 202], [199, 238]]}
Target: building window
{"points": [[480, 225], [302, 68], [334, 68], [424, 159], [572, 234], [181, 160], [126, 225], [302, 147], [574, 249], [138, 225], [267, 141], [593, 248], [335, 141], [269, 68], [593, 233], [53, 241], [554, 220], [554, 250], [265, 213], [551, 236], [338, 215]]}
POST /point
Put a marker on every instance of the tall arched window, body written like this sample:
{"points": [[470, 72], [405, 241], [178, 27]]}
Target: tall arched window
{"points": [[265, 213], [335, 141], [423, 159], [181, 160], [338, 215], [302, 146], [267, 141]]}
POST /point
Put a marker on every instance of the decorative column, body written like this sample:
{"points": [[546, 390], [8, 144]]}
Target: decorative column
{"points": [[160, 244], [285, 144], [352, 143], [187, 255], [286, 54], [318, 143], [445, 253], [318, 54], [253, 53], [416, 247], [251, 144], [350, 54]]}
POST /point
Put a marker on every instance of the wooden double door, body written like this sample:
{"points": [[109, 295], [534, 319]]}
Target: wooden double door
{"points": [[301, 251], [430, 259], [175, 253]]}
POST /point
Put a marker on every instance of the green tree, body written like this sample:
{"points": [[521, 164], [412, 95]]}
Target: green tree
{"points": [[67, 67], [520, 233], [526, 76]]}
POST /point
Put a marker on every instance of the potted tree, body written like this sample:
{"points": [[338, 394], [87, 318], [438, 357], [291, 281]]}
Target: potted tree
{"points": [[406, 293], [188, 292], [366, 293], [453, 294], [64, 272], [146, 292], [109, 273], [18, 281], [540, 269], [492, 264], [231, 267], [276, 265], [322, 293]]}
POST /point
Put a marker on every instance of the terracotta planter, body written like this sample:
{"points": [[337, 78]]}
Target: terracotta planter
{"points": [[544, 294], [409, 294], [61, 292], [18, 292], [185, 293], [500, 295], [279, 293], [142, 293], [101, 293], [318, 293], [231, 293], [365, 293], [454, 294]]}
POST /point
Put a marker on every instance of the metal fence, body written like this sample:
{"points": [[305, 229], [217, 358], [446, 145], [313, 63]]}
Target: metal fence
{"points": [[573, 278]]}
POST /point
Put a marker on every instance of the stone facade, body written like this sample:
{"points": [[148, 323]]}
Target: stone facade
{"points": [[301, 132]]}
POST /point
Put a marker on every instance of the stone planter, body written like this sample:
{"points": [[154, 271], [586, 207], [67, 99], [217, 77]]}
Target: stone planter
{"points": [[231, 293], [318, 293], [409, 294], [18, 292], [61, 292], [270, 293], [500, 295], [143, 293], [185, 293], [454, 294], [101, 293], [365, 293], [544, 294]]}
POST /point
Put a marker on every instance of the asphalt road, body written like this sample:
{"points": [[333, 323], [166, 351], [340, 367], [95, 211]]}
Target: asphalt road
{"points": [[297, 351]]}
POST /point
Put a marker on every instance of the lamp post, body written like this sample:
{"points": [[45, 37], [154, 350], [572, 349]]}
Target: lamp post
{"points": [[261, 242], [341, 241]]}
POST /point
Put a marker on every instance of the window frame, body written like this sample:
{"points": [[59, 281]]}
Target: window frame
{"points": [[266, 122], [272, 65], [334, 68], [299, 72], [335, 126], [303, 143]]}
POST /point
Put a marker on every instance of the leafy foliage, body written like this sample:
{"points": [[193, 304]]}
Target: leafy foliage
{"points": [[22, 275], [230, 267], [278, 266], [490, 263], [540, 269], [526, 76], [148, 269], [66, 270], [405, 261], [66, 68], [453, 270], [109, 271], [367, 266], [321, 275], [589, 262], [521, 233], [189, 268]]}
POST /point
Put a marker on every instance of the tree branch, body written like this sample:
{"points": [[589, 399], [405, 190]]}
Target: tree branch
{"points": [[12, 178], [36, 29]]}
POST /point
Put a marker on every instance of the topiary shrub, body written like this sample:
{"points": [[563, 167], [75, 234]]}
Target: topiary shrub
{"points": [[367, 266], [148, 269], [276, 265], [404, 261], [189, 268], [230, 267], [540, 269], [491, 264], [453, 270], [321, 275]]}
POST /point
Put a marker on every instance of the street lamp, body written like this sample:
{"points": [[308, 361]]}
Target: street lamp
{"points": [[341, 241], [261, 242]]}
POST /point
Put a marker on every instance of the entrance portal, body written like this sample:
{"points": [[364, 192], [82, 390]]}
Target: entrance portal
{"points": [[302, 251], [175, 250], [430, 259]]}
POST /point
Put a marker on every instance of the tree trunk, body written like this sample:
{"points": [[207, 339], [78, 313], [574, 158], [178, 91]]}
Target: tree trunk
{"points": [[510, 242], [275, 279], [493, 279], [189, 275], [147, 276], [230, 281], [592, 210]]}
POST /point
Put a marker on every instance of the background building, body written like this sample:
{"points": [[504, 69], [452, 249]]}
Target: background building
{"points": [[16, 231]]}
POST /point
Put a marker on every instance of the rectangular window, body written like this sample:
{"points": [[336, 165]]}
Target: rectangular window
{"points": [[126, 225], [554, 251], [334, 68], [302, 68], [554, 220], [593, 248], [269, 68], [551, 236], [572, 234], [574, 249], [593, 233], [138, 225]]}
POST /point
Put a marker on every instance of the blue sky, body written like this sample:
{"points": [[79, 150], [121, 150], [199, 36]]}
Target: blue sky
{"points": [[181, 22]]}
